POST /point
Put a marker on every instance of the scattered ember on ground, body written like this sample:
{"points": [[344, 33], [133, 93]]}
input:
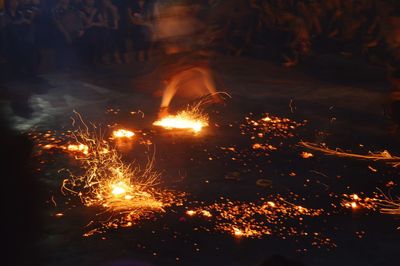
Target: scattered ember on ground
{"points": [[276, 217], [358, 201]]}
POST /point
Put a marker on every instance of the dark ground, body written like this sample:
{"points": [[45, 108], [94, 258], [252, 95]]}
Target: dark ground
{"points": [[343, 101]]}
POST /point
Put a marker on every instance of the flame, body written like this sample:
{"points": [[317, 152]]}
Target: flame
{"points": [[127, 192], [191, 119], [78, 148], [119, 189], [190, 212], [123, 133]]}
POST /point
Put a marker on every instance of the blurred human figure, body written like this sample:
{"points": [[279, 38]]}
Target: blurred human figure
{"points": [[140, 30], [69, 28], [122, 33], [297, 40], [110, 14], [17, 37], [93, 41], [187, 67]]}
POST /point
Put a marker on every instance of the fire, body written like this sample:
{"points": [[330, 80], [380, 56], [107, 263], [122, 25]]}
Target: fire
{"points": [[355, 201], [193, 118], [306, 155], [123, 133], [119, 189], [190, 119], [237, 231], [276, 217], [78, 148], [190, 212], [127, 192]]}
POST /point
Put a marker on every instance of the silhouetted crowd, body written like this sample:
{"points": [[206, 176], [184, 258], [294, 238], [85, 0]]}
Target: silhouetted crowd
{"points": [[97, 32], [88, 31], [299, 28]]}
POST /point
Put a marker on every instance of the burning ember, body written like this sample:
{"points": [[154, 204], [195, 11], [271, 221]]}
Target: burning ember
{"points": [[78, 148], [193, 118], [384, 156], [127, 193], [123, 133], [389, 205], [254, 220], [355, 201], [190, 119]]}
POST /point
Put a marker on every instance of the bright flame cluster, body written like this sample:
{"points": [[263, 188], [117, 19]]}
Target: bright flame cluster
{"points": [[190, 119], [127, 193], [123, 133]]}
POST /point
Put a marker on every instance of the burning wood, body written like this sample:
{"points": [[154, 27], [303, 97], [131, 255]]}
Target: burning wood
{"points": [[389, 205], [380, 156]]}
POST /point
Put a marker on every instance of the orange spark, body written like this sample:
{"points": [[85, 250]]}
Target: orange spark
{"points": [[123, 133], [78, 148], [188, 119], [127, 193]]}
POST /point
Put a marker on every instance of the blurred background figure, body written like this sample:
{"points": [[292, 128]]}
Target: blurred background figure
{"points": [[93, 41], [180, 34], [122, 32], [68, 23], [140, 29], [18, 39], [109, 13]]}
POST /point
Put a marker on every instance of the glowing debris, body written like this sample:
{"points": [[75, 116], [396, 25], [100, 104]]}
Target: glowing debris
{"points": [[267, 132], [123, 133], [389, 205], [126, 193], [255, 220], [378, 156], [190, 119], [306, 155], [190, 212], [354, 201], [78, 148]]}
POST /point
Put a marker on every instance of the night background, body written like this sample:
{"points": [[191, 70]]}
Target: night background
{"points": [[200, 132]]}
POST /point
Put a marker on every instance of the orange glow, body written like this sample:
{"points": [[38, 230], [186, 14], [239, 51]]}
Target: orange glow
{"points": [[188, 119], [237, 232], [123, 133], [190, 212], [206, 213], [78, 148], [119, 189], [127, 193], [306, 155]]}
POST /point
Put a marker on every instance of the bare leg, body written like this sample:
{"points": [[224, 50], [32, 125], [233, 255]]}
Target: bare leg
{"points": [[170, 91], [209, 83]]}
